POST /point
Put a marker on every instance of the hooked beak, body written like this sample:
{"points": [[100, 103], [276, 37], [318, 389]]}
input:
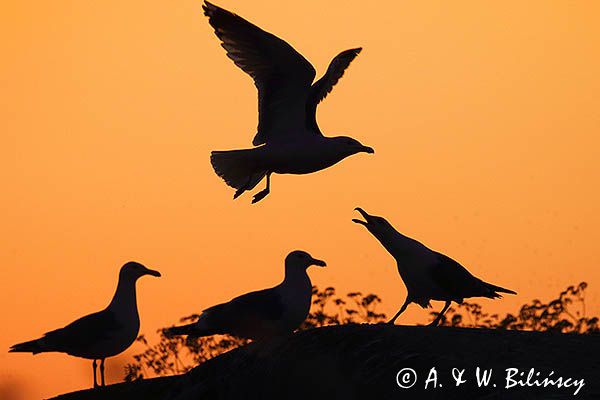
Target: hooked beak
{"points": [[319, 263], [367, 149], [365, 215], [153, 273]]}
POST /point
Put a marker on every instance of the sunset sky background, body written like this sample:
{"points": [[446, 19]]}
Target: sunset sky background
{"points": [[485, 119]]}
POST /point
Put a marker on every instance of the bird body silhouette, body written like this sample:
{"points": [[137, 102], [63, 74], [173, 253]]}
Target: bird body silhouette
{"points": [[288, 136], [261, 314], [100, 335], [427, 274]]}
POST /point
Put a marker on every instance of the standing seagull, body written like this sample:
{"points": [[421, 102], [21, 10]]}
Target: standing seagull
{"points": [[262, 314], [288, 135], [102, 334], [427, 274]]}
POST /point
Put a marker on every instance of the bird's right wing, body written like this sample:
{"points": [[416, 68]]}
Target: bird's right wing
{"points": [[80, 334], [281, 74], [321, 88]]}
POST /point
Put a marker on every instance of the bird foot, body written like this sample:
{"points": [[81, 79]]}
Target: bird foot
{"points": [[391, 322], [260, 195], [434, 323], [239, 192]]}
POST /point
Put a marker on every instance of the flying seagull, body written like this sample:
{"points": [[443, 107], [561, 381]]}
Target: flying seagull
{"points": [[262, 314], [100, 335], [427, 274], [288, 136]]}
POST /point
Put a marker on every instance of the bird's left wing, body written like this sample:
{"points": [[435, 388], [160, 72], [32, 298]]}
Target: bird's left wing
{"points": [[82, 333], [321, 88], [281, 74], [454, 279], [263, 304], [246, 313]]}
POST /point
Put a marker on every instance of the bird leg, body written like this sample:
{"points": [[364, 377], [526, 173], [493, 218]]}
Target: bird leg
{"points": [[437, 319], [263, 193], [393, 320], [95, 381], [102, 372]]}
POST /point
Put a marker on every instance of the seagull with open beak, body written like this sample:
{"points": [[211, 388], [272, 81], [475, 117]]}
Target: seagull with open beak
{"points": [[427, 274]]}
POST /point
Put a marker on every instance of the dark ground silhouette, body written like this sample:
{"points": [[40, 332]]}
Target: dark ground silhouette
{"points": [[363, 361], [335, 357], [177, 355]]}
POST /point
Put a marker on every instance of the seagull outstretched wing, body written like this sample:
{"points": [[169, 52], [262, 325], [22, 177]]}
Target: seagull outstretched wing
{"points": [[321, 88], [281, 74]]}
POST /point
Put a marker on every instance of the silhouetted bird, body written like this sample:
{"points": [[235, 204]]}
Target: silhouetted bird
{"points": [[262, 314], [288, 135], [427, 274], [100, 335]]}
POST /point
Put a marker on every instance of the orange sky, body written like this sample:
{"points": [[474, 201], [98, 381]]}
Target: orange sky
{"points": [[484, 117]]}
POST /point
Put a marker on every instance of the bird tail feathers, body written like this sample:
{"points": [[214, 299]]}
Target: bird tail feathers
{"points": [[237, 168], [499, 289], [196, 329], [33, 346]]}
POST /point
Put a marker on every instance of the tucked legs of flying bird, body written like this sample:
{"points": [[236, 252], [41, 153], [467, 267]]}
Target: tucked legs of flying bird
{"points": [[263, 193]]}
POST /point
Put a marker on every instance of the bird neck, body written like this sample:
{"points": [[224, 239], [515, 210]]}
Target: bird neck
{"points": [[124, 299], [397, 244], [331, 150], [296, 275]]}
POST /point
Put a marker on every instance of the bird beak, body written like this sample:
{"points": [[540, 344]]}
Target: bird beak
{"points": [[365, 216], [319, 263], [153, 273], [367, 149]]}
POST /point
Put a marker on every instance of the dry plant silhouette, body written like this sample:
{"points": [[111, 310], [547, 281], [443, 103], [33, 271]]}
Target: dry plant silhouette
{"points": [[565, 314], [176, 355]]}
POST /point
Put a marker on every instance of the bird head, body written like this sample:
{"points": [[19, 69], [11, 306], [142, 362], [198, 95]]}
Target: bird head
{"points": [[396, 243], [301, 260], [133, 270], [378, 226], [349, 146]]}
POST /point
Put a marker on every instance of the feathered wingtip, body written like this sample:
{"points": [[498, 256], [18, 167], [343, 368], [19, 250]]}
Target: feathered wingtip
{"points": [[205, 7], [355, 51], [209, 8]]}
